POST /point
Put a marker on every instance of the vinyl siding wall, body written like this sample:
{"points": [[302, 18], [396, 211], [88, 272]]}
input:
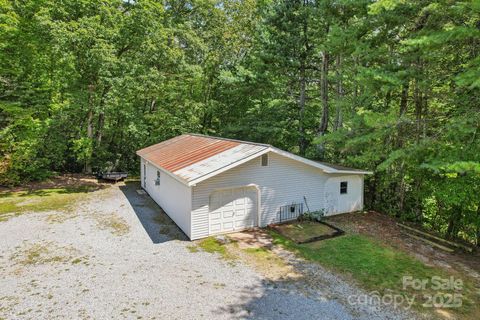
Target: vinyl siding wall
{"points": [[173, 196], [284, 181], [335, 202]]}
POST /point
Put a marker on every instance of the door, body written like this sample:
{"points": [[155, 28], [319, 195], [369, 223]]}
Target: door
{"points": [[233, 209]]}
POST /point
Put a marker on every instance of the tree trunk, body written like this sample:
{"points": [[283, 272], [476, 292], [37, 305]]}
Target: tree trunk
{"points": [[303, 83], [88, 166], [452, 224], [404, 99], [425, 114], [417, 98], [101, 121], [402, 112], [338, 110], [91, 89], [322, 129], [153, 105], [478, 225], [301, 106]]}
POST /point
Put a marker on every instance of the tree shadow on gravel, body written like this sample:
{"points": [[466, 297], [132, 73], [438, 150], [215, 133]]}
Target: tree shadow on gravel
{"points": [[278, 300], [158, 225]]}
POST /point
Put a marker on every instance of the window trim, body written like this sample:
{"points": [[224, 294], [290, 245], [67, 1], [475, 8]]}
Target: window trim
{"points": [[342, 191]]}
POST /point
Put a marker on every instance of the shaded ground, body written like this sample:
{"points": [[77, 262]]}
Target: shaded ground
{"points": [[384, 228], [114, 254], [66, 181], [157, 224]]}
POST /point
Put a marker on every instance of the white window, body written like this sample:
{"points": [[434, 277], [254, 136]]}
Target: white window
{"points": [[157, 181]]}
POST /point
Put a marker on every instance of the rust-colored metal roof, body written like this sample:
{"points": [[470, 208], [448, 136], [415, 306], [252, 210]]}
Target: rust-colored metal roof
{"points": [[185, 150], [192, 158]]}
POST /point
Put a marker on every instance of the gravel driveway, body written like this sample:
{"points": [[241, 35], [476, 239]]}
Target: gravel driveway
{"points": [[116, 255]]}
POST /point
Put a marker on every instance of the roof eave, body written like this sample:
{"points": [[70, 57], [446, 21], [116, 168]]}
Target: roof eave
{"points": [[325, 168], [353, 172], [171, 174]]}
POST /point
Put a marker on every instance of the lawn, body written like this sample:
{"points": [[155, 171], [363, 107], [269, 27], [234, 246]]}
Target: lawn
{"points": [[16, 203], [305, 230], [379, 267]]}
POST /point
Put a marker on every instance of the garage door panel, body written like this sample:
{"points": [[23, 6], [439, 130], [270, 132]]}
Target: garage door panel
{"points": [[227, 226], [215, 227], [239, 224], [239, 212], [227, 214], [215, 216], [234, 209]]}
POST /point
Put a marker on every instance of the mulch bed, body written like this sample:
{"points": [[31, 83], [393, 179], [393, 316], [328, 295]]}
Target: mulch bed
{"points": [[307, 231]]}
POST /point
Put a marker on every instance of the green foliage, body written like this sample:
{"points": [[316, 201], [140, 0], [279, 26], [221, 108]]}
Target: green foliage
{"points": [[313, 215], [83, 85]]}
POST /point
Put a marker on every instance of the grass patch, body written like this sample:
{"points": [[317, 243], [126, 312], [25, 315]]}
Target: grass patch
{"points": [[212, 245], [192, 249], [268, 263], [112, 222], [264, 256], [43, 253], [58, 199], [305, 230], [378, 267]]}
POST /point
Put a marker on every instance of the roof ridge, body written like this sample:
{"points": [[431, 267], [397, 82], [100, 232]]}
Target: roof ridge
{"points": [[229, 139]]}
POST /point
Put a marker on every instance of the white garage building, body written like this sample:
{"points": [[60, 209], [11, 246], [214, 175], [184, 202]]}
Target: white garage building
{"points": [[211, 185]]}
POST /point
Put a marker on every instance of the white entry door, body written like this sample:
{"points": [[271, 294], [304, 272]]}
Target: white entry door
{"points": [[233, 209]]}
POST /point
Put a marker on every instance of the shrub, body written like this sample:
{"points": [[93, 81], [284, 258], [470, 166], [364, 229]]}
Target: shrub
{"points": [[312, 215]]}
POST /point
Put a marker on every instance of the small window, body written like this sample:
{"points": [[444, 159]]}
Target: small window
{"points": [[157, 181], [343, 187], [264, 160]]}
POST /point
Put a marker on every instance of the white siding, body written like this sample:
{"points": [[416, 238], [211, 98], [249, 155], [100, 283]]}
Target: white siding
{"points": [[284, 181], [335, 202], [174, 197]]}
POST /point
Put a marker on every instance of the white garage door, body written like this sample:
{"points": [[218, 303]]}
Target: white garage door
{"points": [[233, 209]]}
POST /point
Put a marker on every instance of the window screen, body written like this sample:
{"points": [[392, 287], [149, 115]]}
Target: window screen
{"points": [[264, 160], [157, 181], [343, 187]]}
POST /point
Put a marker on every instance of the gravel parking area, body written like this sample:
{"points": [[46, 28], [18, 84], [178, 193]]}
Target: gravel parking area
{"points": [[117, 255]]}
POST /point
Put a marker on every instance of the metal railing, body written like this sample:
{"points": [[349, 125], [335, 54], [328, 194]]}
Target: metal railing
{"points": [[290, 212]]}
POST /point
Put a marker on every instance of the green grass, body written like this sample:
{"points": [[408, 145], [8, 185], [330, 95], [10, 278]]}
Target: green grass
{"points": [[265, 258], [16, 203], [112, 222], [375, 266], [212, 245], [192, 249], [302, 231], [43, 253]]}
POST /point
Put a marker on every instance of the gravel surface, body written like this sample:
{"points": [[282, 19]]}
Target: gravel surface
{"points": [[116, 255]]}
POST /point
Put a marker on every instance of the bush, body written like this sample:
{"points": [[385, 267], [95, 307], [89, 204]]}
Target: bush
{"points": [[312, 215]]}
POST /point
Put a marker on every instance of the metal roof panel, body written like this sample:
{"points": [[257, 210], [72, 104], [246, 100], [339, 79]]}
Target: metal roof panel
{"points": [[218, 161], [192, 158]]}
